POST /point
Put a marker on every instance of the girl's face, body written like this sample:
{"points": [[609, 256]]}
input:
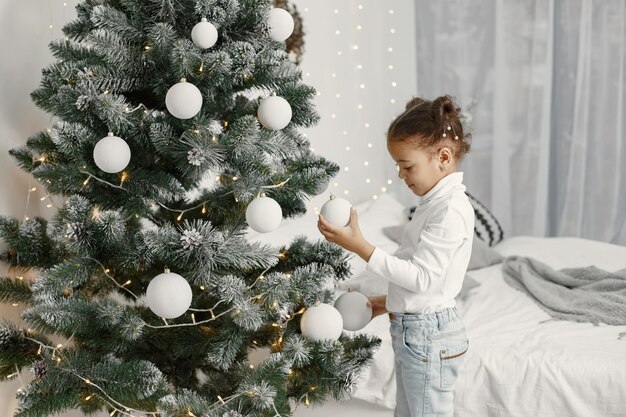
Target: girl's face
{"points": [[419, 170]]}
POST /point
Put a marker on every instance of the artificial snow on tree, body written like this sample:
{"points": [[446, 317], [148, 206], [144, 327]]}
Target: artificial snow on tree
{"points": [[104, 249], [354, 310], [274, 113], [111, 154], [204, 34], [336, 211], [321, 322]]}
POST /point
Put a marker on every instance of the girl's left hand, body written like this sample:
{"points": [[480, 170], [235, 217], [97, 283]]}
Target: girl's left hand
{"points": [[349, 237]]}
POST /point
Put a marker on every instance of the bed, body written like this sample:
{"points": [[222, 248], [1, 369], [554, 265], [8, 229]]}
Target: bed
{"points": [[520, 362]]}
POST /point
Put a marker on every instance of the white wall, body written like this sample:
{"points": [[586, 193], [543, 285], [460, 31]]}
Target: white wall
{"points": [[25, 32]]}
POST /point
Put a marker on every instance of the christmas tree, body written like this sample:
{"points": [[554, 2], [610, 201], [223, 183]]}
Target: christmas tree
{"points": [[177, 129]]}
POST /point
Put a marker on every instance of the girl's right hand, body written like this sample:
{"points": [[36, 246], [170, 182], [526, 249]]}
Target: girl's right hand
{"points": [[377, 303]]}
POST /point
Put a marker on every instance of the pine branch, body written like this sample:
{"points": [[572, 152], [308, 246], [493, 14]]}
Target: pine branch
{"points": [[29, 245], [15, 291], [17, 350]]}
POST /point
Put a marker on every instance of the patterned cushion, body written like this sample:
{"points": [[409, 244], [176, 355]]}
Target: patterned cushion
{"points": [[486, 226]]}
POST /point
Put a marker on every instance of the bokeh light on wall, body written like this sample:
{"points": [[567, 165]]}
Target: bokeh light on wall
{"points": [[360, 56]]}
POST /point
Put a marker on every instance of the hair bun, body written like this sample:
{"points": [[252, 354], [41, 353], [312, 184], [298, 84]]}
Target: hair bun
{"points": [[415, 101], [443, 110]]}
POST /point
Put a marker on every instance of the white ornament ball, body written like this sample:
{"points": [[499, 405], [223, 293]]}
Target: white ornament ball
{"points": [[204, 34], [321, 322], [264, 214], [354, 310], [183, 100], [274, 112], [281, 24], [168, 295], [111, 154], [336, 211]]}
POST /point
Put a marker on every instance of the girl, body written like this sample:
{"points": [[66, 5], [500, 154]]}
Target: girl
{"points": [[426, 272]]}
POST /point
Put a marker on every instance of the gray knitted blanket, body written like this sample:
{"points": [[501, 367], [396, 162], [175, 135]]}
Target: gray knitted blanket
{"points": [[587, 294]]}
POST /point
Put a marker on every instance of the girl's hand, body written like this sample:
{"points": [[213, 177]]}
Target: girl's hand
{"points": [[348, 237], [378, 304]]}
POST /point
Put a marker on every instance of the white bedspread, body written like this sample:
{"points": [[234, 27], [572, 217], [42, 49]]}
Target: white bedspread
{"points": [[519, 363]]}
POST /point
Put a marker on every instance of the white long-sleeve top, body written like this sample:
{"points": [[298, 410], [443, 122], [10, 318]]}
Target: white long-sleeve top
{"points": [[427, 270]]}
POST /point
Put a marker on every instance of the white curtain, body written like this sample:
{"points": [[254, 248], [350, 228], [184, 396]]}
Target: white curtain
{"points": [[543, 81]]}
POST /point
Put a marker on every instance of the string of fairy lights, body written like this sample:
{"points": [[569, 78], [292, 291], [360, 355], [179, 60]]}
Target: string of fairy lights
{"points": [[365, 113]]}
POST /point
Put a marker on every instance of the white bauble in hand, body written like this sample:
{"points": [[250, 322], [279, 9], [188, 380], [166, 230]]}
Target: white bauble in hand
{"points": [[274, 112], [169, 295], [111, 154], [183, 100], [336, 211], [264, 214], [281, 24], [321, 322], [354, 310], [204, 34]]}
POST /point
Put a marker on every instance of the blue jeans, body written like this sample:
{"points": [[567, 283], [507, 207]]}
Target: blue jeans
{"points": [[429, 349]]}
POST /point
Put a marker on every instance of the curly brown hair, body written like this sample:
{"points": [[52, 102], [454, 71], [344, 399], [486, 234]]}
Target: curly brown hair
{"points": [[425, 123]]}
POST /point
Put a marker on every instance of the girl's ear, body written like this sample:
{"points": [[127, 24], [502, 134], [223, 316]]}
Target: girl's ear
{"points": [[445, 158]]}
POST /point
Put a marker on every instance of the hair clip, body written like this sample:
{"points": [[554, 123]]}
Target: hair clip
{"points": [[456, 137]]}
